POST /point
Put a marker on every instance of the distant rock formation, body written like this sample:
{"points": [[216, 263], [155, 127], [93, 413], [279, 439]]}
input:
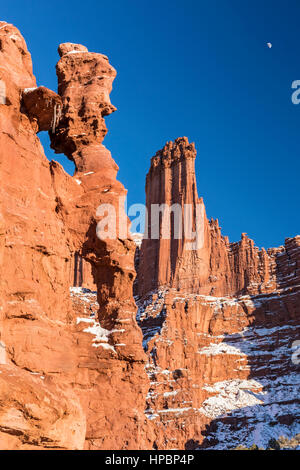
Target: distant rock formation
{"points": [[214, 266], [220, 325], [72, 373]]}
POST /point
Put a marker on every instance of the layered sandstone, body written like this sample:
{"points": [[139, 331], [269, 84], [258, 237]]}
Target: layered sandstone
{"points": [[71, 376], [220, 324], [220, 368], [43, 107], [209, 363], [202, 260]]}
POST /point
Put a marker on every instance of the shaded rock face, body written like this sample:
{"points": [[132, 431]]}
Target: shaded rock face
{"points": [[220, 326], [71, 371], [220, 368], [43, 108]]}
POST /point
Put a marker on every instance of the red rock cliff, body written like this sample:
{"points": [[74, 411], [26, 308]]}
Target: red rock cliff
{"points": [[210, 364], [72, 366], [213, 265], [220, 322]]}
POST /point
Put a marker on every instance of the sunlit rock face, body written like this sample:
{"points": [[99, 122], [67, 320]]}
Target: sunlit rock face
{"points": [[211, 265], [220, 326], [72, 370], [203, 357]]}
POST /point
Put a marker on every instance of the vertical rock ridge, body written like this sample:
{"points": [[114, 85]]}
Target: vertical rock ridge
{"points": [[84, 84], [217, 322], [219, 326], [77, 351], [216, 267]]}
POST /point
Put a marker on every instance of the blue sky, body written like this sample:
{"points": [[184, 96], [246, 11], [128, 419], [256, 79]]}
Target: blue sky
{"points": [[200, 69]]}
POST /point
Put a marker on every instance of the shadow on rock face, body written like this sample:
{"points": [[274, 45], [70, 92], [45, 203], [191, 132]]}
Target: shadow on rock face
{"points": [[266, 405]]}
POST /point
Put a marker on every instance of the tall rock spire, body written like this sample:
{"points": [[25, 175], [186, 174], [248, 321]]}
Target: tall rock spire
{"points": [[84, 84], [201, 260], [72, 362], [171, 180], [180, 260]]}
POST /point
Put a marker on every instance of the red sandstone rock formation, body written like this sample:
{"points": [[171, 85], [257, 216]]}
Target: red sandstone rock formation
{"points": [[86, 79], [214, 266], [219, 323], [77, 374], [43, 108]]}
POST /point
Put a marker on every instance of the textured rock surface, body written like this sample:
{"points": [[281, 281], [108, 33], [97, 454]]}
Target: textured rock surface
{"points": [[219, 325], [43, 108], [215, 267], [220, 369], [90, 378], [84, 83], [36, 413]]}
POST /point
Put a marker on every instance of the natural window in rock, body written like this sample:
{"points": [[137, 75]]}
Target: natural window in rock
{"points": [[67, 164]]}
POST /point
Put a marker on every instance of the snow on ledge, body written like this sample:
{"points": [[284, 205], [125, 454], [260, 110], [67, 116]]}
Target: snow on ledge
{"points": [[100, 334], [28, 90], [230, 395], [76, 52]]}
